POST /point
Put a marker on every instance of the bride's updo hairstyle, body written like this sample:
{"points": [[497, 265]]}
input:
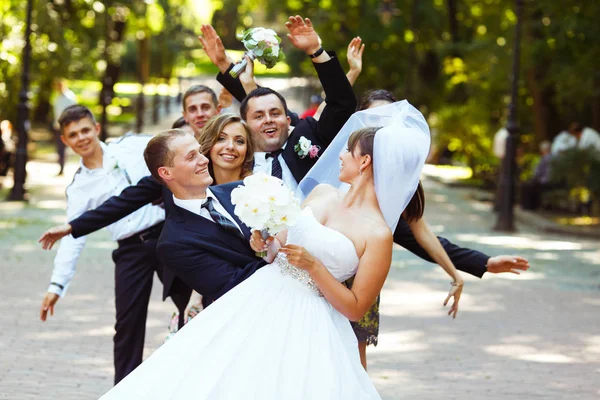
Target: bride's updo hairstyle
{"points": [[365, 139]]}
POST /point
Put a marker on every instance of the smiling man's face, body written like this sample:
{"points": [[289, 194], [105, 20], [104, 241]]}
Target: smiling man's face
{"points": [[199, 108], [189, 168], [82, 136], [269, 122]]}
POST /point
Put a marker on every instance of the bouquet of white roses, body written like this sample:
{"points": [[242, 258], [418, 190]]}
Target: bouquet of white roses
{"points": [[262, 45], [265, 204]]}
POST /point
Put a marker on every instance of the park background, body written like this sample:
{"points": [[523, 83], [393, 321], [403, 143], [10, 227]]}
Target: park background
{"points": [[450, 58], [529, 336]]}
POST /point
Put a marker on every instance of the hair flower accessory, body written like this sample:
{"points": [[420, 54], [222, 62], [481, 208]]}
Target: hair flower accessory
{"points": [[304, 148]]}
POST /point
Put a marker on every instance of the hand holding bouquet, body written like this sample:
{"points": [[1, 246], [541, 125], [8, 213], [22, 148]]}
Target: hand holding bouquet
{"points": [[265, 204], [262, 45]]}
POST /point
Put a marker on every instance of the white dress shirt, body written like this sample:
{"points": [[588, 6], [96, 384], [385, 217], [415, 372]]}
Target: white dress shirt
{"points": [[195, 206], [589, 138], [500, 143], [122, 165], [563, 141], [264, 164]]}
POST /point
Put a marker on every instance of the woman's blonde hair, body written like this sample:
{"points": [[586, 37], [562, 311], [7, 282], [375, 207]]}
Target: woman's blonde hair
{"points": [[210, 134]]}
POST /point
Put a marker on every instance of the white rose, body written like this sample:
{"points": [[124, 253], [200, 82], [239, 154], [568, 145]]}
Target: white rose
{"points": [[259, 35]]}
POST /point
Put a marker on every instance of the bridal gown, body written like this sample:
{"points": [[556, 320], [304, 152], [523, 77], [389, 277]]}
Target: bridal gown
{"points": [[271, 337]]}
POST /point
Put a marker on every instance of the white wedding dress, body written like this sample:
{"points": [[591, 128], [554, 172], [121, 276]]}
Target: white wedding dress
{"points": [[271, 337]]}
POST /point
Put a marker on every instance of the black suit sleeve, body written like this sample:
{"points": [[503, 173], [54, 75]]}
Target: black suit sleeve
{"points": [[340, 99], [233, 85], [131, 199], [202, 270], [470, 261]]}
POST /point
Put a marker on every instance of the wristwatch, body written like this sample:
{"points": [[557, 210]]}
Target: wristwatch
{"points": [[317, 53]]}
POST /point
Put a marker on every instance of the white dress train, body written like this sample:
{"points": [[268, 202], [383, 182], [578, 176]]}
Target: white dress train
{"points": [[271, 337]]}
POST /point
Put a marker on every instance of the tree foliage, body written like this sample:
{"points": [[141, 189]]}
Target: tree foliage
{"points": [[70, 40]]}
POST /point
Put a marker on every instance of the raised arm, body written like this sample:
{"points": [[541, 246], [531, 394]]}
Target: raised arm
{"points": [[354, 56], [340, 99]]}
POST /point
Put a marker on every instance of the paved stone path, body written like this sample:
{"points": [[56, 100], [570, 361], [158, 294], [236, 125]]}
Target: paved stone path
{"points": [[516, 337]]}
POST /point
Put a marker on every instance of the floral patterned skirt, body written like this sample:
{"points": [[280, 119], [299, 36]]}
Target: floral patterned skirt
{"points": [[367, 329]]}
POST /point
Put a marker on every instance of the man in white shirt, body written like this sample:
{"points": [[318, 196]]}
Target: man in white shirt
{"points": [[64, 99], [577, 136], [563, 141], [105, 171], [589, 139], [200, 104]]}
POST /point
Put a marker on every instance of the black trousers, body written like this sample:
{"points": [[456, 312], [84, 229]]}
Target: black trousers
{"points": [[135, 264], [60, 150]]}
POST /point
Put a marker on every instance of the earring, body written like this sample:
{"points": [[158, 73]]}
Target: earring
{"points": [[360, 171]]}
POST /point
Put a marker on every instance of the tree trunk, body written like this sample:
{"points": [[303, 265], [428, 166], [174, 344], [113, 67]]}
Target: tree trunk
{"points": [[115, 33], [540, 107], [452, 21], [596, 104], [411, 59], [42, 109], [143, 73]]}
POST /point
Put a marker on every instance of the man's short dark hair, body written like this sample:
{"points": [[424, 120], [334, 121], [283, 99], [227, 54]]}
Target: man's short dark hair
{"points": [[195, 89], [259, 92], [158, 154], [74, 113]]}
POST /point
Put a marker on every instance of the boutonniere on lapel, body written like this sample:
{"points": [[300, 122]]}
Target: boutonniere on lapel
{"points": [[113, 165], [304, 148]]}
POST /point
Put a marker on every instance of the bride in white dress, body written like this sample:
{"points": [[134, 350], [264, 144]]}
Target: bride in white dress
{"points": [[284, 332]]}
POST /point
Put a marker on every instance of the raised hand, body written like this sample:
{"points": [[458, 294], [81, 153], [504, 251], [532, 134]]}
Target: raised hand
{"points": [[455, 291], [213, 46], [48, 305], [511, 264], [302, 35], [54, 234], [247, 76], [355, 52]]}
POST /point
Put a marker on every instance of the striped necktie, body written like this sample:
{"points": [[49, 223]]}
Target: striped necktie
{"points": [[220, 219], [275, 164]]}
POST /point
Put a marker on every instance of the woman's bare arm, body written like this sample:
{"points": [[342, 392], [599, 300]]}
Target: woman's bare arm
{"points": [[373, 268], [429, 241]]}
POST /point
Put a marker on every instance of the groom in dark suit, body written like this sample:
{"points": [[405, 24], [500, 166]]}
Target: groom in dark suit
{"points": [[202, 242]]}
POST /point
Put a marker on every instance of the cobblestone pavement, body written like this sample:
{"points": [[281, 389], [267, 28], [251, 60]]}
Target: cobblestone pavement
{"points": [[516, 337]]}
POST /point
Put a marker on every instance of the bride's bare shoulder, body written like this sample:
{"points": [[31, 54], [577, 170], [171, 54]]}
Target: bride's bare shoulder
{"points": [[378, 230], [321, 191]]}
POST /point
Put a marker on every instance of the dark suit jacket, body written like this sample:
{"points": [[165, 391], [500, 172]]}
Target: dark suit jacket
{"points": [[341, 104], [204, 255]]}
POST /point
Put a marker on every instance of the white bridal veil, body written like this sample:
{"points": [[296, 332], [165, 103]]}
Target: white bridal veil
{"points": [[400, 149]]}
